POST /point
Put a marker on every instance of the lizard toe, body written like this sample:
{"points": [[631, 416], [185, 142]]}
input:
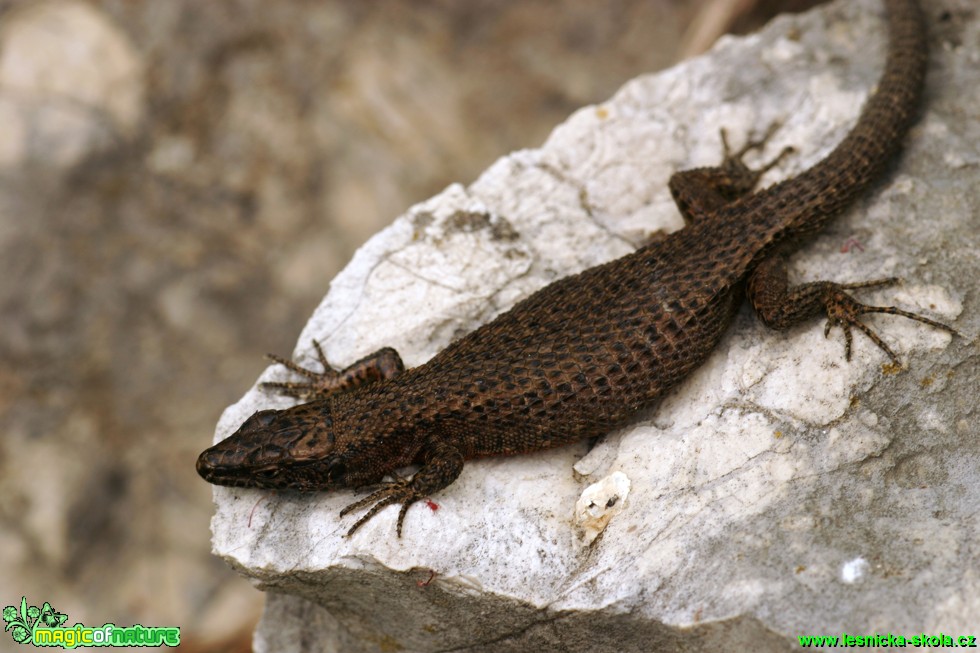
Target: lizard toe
{"points": [[392, 492]]}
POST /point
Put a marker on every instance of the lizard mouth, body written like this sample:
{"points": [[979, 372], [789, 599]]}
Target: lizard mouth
{"points": [[215, 467], [209, 466]]}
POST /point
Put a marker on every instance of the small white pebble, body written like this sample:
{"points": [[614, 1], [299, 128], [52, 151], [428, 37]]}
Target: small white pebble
{"points": [[853, 570], [599, 503]]}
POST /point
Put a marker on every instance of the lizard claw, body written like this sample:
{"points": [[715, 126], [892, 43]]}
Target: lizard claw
{"points": [[442, 464], [382, 364], [320, 382], [397, 491], [751, 144], [843, 311], [736, 169], [735, 158]]}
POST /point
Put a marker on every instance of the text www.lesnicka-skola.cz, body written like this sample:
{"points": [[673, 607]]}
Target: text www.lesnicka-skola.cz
{"points": [[921, 640]]}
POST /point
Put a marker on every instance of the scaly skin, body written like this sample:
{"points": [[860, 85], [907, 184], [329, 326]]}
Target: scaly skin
{"points": [[584, 354]]}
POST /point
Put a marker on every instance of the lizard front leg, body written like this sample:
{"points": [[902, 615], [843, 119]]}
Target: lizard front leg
{"points": [[442, 464], [382, 364], [780, 306]]}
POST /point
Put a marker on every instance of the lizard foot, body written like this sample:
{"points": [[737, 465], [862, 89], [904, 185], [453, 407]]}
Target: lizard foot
{"points": [[732, 161], [442, 463], [382, 364], [843, 311], [398, 491], [700, 192]]}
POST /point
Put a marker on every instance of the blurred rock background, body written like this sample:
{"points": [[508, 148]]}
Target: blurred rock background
{"points": [[179, 181]]}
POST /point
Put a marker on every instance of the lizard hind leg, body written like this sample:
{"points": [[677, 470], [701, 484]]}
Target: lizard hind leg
{"points": [[700, 191], [382, 364], [780, 306]]}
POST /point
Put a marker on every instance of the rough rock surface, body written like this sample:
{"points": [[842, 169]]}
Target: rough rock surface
{"points": [[780, 491]]}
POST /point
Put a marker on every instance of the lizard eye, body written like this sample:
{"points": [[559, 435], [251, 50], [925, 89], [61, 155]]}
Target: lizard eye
{"points": [[267, 473], [265, 417], [259, 420], [335, 471]]}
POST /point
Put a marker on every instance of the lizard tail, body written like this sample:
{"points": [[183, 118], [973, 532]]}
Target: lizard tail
{"points": [[891, 109], [833, 183]]}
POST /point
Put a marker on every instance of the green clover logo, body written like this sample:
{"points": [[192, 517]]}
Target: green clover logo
{"points": [[9, 614], [21, 635], [22, 623]]}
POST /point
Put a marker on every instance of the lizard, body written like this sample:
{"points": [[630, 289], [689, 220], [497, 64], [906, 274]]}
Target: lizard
{"points": [[582, 355]]}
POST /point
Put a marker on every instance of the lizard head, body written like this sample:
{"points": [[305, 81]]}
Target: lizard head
{"points": [[291, 449]]}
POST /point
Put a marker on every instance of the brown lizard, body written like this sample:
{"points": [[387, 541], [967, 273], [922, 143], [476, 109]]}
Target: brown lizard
{"points": [[582, 355]]}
